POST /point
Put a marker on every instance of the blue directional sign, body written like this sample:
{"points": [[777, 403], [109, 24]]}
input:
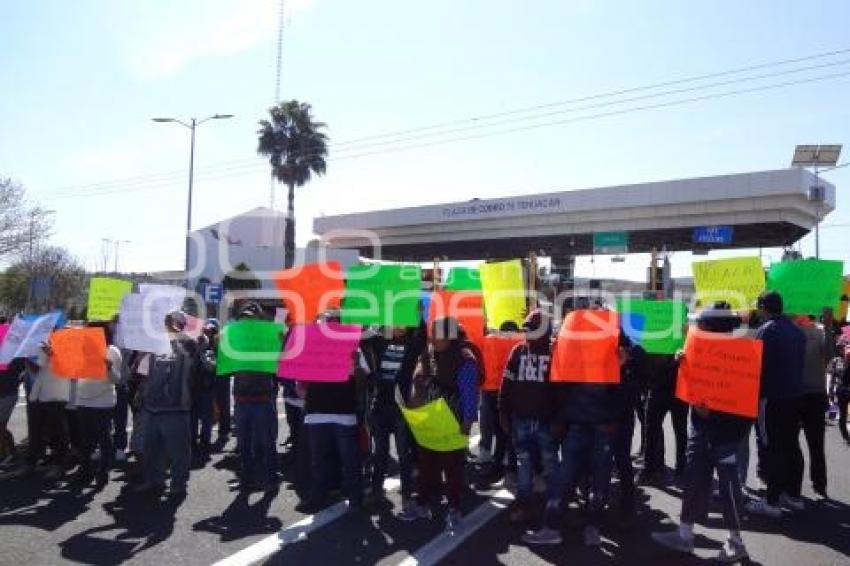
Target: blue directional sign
{"points": [[213, 293], [713, 235]]}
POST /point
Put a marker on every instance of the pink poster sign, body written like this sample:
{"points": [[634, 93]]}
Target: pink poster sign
{"points": [[4, 329], [319, 352]]}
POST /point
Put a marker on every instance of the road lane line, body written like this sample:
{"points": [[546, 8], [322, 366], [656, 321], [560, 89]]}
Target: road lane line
{"points": [[433, 552]]}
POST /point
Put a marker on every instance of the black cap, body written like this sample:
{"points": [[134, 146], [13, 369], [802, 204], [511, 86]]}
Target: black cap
{"points": [[719, 317], [770, 302]]}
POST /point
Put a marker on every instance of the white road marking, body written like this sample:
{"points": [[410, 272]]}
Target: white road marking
{"points": [[443, 544], [295, 532]]}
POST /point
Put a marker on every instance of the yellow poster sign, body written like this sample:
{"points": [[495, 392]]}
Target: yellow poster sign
{"points": [[105, 296], [435, 427], [738, 281], [504, 292]]}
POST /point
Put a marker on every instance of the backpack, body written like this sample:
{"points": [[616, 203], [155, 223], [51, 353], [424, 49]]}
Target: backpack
{"points": [[167, 387]]}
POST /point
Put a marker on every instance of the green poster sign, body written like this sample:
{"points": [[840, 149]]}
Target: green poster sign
{"points": [[807, 286], [249, 345], [384, 295], [610, 242], [662, 331], [463, 279]]}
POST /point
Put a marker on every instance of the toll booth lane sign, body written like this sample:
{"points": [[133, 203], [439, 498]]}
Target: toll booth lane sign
{"points": [[610, 243]]}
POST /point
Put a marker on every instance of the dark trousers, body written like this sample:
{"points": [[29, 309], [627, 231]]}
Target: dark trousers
{"points": [[222, 401], [780, 431], [813, 408], [843, 400], [49, 427], [586, 450], [167, 443], [327, 443], [256, 438], [119, 417], [383, 424], [658, 404], [202, 418], [493, 438], [295, 421], [433, 467], [703, 458], [75, 433], [623, 461], [95, 430]]}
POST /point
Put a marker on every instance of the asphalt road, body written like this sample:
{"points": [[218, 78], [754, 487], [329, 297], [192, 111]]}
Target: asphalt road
{"points": [[43, 523]]}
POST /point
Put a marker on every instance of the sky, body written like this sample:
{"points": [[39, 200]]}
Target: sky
{"points": [[84, 78]]}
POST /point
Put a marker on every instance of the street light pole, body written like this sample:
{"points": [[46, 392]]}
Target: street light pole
{"points": [[192, 125]]}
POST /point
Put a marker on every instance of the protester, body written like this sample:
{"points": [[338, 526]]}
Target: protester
{"points": [[94, 400], [525, 408], [167, 401], [121, 412], [713, 443], [222, 394], [662, 400], [203, 391], [585, 424], [10, 383], [138, 367], [632, 382], [449, 369], [814, 401], [331, 425], [393, 379], [255, 394], [780, 393], [839, 390]]}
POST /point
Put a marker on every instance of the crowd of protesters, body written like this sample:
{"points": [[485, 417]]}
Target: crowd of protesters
{"points": [[558, 442]]}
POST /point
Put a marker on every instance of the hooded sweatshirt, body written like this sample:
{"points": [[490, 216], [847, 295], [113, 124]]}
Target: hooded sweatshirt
{"points": [[526, 391]]}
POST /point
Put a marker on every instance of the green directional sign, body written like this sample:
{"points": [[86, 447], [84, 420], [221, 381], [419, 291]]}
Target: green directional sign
{"points": [[610, 242]]}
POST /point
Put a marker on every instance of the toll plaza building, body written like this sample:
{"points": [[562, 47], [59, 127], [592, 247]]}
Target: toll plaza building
{"points": [[747, 210]]}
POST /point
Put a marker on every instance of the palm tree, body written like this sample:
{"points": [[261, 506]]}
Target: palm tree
{"points": [[296, 147]]}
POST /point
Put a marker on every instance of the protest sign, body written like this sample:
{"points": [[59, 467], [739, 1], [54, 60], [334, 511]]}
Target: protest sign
{"points": [[141, 321], [319, 352], [309, 290], [465, 306], [25, 336], [79, 353], [105, 296], [738, 281], [807, 286], [249, 345], [663, 323], [435, 427], [587, 348], [386, 295], [61, 319], [496, 350], [463, 279], [504, 292], [721, 373], [4, 329]]}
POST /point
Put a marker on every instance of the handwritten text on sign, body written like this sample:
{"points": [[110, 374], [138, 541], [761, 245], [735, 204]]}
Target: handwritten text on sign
{"points": [[721, 373], [319, 352]]}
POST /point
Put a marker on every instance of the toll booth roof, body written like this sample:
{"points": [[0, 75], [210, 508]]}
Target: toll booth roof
{"points": [[747, 210]]}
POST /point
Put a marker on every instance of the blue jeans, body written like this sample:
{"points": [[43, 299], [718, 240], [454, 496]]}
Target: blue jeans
{"points": [[530, 435], [256, 425], [383, 424], [167, 440], [119, 417], [202, 418], [325, 440], [703, 459], [586, 449]]}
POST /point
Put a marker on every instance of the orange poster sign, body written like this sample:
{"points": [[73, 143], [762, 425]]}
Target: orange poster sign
{"points": [[587, 348], [78, 353], [465, 306], [497, 348], [721, 373], [308, 290]]}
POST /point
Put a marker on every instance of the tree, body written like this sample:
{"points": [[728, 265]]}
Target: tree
{"points": [[296, 147], [52, 278], [22, 226]]}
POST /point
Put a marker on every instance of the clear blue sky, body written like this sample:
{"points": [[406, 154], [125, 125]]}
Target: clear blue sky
{"points": [[83, 78]]}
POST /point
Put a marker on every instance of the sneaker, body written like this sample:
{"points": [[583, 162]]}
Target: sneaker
{"points": [[453, 519], [413, 512], [791, 503], [591, 537], [542, 536], [762, 507], [733, 551], [674, 541], [120, 456]]}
